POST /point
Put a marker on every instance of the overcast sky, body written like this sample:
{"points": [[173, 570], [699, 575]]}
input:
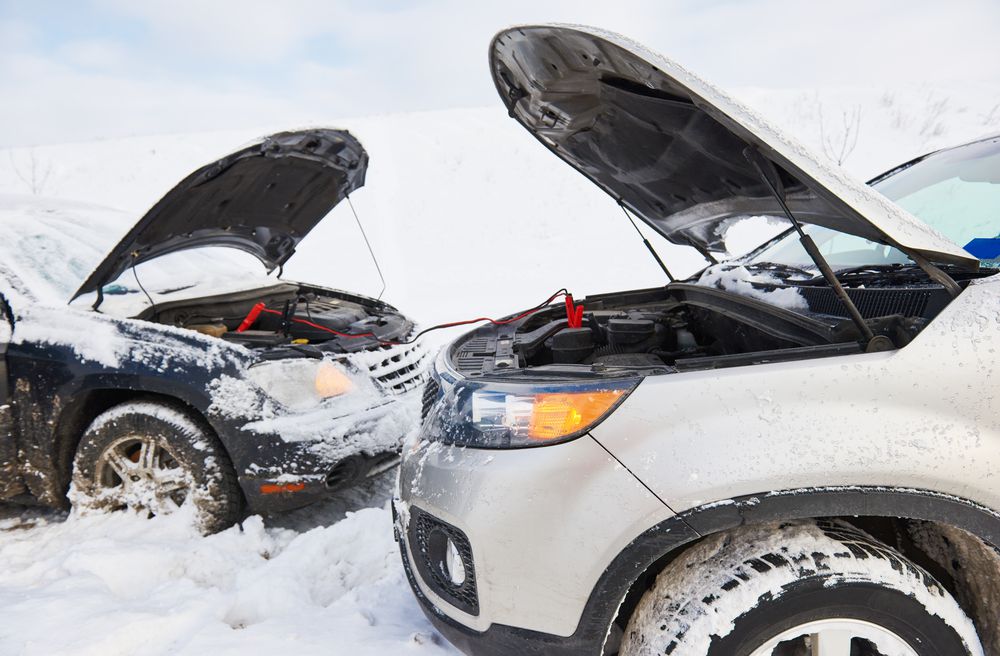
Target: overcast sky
{"points": [[85, 69]]}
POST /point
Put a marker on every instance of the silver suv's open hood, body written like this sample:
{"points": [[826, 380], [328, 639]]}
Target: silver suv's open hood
{"points": [[670, 147], [262, 199]]}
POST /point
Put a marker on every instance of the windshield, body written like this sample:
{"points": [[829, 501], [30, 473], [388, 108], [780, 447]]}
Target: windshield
{"points": [[955, 191], [49, 246]]}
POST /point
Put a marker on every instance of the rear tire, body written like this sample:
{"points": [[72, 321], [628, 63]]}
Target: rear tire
{"points": [[153, 458], [797, 589]]}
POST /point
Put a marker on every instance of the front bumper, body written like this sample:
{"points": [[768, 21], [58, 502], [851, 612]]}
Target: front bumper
{"points": [[500, 640], [281, 468], [543, 525]]}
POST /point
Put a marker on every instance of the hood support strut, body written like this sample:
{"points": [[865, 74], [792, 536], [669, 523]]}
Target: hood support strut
{"points": [[649, 247], [754, 157]]}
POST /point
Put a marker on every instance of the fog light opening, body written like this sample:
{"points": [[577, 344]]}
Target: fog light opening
{"points": [[454, 568]]}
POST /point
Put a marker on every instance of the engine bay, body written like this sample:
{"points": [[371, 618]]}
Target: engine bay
{"points": [[688, 326], [292, 314]]}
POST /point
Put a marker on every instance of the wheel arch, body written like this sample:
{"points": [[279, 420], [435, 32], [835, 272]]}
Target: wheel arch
{"points": [[949, 518], [81, 408]]}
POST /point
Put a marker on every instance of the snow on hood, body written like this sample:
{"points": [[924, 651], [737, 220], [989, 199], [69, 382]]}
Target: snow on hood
{"points": [[739, 280], [676, 150]]}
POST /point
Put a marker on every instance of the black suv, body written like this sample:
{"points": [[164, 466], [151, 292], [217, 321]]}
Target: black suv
{"points": [[234, 392]]}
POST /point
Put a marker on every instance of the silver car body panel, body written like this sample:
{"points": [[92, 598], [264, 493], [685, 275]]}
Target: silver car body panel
{"points": [[926, 416], [543, 524]]}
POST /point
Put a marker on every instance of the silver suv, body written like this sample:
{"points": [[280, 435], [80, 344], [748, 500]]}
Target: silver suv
{"points": [[794, 451]]}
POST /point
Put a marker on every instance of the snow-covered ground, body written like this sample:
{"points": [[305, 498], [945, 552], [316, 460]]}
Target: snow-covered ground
{"points": [[312, 582], [469, 216]]}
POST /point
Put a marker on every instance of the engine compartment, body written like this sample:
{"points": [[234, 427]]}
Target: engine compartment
{"points": [[296, 314], [689, 326]]}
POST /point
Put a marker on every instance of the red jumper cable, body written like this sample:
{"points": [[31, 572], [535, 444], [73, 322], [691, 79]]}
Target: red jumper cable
{"points": [[574, 318]]}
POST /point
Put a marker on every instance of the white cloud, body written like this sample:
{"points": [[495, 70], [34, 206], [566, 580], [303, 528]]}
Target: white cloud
{"points": [[239, 63], [93, 54], [16, 34]]}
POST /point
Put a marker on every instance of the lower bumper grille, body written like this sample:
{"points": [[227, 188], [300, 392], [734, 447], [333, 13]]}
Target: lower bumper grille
{"points": [[431, 540]]}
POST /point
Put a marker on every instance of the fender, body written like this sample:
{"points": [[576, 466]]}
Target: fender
{"points": [[670, 535]]}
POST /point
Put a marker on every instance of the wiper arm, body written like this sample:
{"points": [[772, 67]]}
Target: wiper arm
{"points": [[877, 268], [935, 273], [781, 269]]}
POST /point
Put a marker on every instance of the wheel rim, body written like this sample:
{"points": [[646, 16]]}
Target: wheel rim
{"points": [[836, 637], [141, 473]]}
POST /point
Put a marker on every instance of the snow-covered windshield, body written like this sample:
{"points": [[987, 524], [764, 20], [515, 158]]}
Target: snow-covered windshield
{"points": [[956, 191], [50, 246]]}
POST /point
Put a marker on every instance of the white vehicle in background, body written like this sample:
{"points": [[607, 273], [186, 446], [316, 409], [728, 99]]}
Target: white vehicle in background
{"points": [[792, 452]]}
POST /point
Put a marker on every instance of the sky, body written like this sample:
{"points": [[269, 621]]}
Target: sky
{"points": [[96, 69]]}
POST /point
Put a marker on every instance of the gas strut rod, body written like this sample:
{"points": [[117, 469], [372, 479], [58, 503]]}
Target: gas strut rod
{"points": [[652, 251], [754, 158]]}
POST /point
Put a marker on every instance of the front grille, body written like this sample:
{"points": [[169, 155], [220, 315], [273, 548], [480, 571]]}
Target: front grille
{"points": [[431, 392], [398, 368], [429, 538]]}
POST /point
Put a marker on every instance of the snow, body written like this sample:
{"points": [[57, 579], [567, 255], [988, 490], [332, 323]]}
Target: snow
{"points": [[94, 339], [161, 412], [100, 338], [119, 584], [739, 280], [446, 193]]}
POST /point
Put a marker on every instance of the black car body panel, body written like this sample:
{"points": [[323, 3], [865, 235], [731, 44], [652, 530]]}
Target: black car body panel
{"points": [[62, 366], [56, 388]]}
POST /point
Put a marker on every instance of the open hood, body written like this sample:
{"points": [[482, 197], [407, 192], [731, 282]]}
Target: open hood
{"points": [[673, 149], [262, 199]]}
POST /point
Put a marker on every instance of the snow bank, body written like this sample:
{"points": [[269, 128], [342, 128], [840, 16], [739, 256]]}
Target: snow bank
{"points": [[118, 584], [447, 191]]}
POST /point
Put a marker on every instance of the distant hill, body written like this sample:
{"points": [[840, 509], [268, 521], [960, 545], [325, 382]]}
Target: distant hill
{"points": [[469, 215]]}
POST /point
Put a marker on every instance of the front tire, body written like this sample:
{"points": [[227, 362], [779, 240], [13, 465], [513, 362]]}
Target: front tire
{"points": [[153, 458], [797, 589]]}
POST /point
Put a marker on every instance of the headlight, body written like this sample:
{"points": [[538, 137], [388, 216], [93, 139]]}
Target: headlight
{"points": [[301, 383], [510, 415]]}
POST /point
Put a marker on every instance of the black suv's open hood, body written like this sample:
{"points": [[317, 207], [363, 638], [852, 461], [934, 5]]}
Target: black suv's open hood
{"points": [[670, 147], [262, 199]]}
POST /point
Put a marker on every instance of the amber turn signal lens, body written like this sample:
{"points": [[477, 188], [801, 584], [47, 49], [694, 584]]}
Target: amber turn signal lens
{"points": [[277, 488], [558, 415], [331, 381]]}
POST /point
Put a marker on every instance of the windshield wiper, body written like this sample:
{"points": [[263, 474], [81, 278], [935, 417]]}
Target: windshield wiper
{"points": [[783, 271], [892, 268]]}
